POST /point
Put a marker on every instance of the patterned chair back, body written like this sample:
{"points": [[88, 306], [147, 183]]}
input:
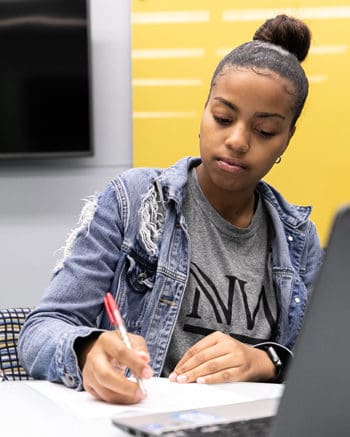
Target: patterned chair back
{"points": [[11, 321]]}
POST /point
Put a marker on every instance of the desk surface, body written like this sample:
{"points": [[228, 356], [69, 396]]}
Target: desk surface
{"points": [[33, 409]]}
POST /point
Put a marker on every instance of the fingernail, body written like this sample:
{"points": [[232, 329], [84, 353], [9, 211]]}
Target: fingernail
{"points": [[201, 380], [172, 377], [181, 379], [147, 372], [143, 354]]}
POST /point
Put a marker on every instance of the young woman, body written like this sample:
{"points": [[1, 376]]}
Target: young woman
{"points": [[211, 266]]}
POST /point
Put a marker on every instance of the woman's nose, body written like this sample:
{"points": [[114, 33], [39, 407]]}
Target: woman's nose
{"points": [[238, 138]]}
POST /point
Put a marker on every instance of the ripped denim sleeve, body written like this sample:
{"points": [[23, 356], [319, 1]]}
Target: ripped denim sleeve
{"points": [[85, 218]]}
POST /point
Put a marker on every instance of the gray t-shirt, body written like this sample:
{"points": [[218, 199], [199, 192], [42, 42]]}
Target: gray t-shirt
{"points": [[230, 287]]}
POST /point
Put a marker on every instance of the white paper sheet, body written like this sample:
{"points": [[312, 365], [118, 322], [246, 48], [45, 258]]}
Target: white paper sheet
{"points": [[163, 395]]}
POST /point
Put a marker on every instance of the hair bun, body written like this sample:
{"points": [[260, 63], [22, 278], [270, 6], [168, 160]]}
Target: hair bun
{"points": [[288, 32]]}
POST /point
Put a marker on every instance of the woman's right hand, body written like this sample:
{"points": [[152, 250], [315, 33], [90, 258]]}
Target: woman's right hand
{"points": [[103, 361]]}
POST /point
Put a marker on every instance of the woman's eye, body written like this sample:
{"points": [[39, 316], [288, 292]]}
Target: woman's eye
{"points": [[265, 133], [221, 120]]}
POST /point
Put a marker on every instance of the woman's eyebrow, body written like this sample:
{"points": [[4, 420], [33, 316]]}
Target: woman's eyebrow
{"points": [[257, 114], [269, 114], [226, 103]]}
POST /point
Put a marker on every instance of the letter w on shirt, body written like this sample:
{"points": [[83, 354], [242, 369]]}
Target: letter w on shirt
{"points": [[206, 288]]}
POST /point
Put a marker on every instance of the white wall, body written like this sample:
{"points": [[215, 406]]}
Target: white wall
{"points": [[40, 201]]}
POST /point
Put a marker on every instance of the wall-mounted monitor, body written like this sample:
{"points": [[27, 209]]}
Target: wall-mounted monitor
{"points": [[45, 80]]}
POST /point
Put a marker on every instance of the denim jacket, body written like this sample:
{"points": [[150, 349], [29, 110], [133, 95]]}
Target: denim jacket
{"points": [[132, 241]]}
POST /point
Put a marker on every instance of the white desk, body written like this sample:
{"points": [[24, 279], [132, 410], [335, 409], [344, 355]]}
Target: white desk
{"points": [[33, 409]]}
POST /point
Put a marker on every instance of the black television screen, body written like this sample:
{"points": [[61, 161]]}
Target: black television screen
{"points": [[45, 102]]}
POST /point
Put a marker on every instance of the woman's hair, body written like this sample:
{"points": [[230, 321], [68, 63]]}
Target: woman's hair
{"points": [[279, 45]]}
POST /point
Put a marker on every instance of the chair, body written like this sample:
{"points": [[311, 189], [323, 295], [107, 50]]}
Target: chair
{"points": [[11, 321]]}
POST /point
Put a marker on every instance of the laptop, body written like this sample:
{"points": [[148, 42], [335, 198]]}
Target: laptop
{"points": [[316, 397]]}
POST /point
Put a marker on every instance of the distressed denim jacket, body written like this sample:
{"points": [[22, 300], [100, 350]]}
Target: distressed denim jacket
{"points": [[132, 241]]}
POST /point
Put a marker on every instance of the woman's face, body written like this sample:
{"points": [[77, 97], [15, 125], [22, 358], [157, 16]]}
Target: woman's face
{"points": [[245, 127]]}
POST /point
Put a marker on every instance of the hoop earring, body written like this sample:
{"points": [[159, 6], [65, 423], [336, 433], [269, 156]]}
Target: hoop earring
{"points": [[278, 160]]}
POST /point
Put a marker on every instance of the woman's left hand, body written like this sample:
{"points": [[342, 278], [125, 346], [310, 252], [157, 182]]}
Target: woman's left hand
{"points": [[219, 358]]}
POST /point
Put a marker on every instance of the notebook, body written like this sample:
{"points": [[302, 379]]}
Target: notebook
{"points": [[316, 398]]}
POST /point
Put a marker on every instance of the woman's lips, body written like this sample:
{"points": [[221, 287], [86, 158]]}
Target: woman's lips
{"points": [[231, 165]]}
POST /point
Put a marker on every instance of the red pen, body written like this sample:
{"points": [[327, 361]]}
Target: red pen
{"points": [[117, 321]]}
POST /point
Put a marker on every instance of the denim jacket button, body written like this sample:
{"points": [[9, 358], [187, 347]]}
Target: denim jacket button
{"points": [[68, 380], [297, 300], [290, 238], [141, 278]]}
